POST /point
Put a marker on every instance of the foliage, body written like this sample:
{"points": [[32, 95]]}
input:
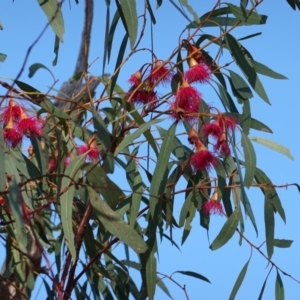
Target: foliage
{"points": [[61, 203]]}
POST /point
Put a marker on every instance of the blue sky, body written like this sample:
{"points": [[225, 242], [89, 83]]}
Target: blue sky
{"points": [[277, 47]]}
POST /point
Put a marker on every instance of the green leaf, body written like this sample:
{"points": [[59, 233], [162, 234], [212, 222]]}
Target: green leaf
{"points": [[131, 19], [114, 224], [282, 243], [54, 15], [269, 226], [15, 204], [279, 289], [226, 99], [132, 136], [111, 36], [102, 184], [270, 192], [41, 100], [33, 68], [2, 57], [163, 287], [160, 175], [239, 281], [227, 231], [242, 60], [118, 63], [190, 10], [151, 12], [273, 145], [240, 85], [251, 17], [2, 162], [255, 124], [263, 288], [56, 49], [151, 276], [66, 200], [193, 274], [250, 160], [264, 70], [246, 121]]}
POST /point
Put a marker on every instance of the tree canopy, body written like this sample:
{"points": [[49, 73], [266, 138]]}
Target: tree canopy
{"points": [[99, 174]]}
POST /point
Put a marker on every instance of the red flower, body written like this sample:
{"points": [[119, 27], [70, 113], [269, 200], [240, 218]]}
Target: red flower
{"points": [[187, 100], [160, 74], [222, 147], [141, 97], [211, 207], [12, 137], [31, 127], [12, 111], [135, 79], [93, 153], [199, 72], [203, 160], [52, 165], [227, 123], [213, 129]]}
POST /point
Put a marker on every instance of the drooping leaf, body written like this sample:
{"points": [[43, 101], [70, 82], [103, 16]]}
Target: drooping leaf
{"points": [[41, 100], [114, 224], [250, 160], [243, 61], [34, 67], [269, 226], [193, 274], [227, 231], [160, 176], [282, 243], [66, 200], [131, 19], [239, 281], [273, 145], [279, 289], [15, 204], [264, 70], [53, 12], [131, 137], [2, 57], [190, 10], [118, 63], [247, 16], [151, 12], [163, 287], [270, 192], [255, 124], [241, 87], [2, 165], [246, 121]]}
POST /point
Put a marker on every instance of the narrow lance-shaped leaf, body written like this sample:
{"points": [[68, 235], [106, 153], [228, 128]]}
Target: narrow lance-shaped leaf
{"points": [[116, 225], [239, 281], [250, 160], [159, 176], [132, 136], [264, 70], [66, 200], [269, 226], [279, 289], [54, 15], [193, 274], [227, 231], [238, 54], [131, 19], [282, 243], [34, 67], [163, 287], [273, 145], [2, 166]]}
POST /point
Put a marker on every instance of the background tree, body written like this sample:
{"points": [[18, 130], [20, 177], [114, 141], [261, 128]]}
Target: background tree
{"points": [[61, 202]]}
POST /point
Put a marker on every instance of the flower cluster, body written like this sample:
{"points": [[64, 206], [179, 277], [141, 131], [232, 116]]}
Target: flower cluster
{"points": [[91, 149], [219, 130], [142, 91], [16, 124], [212, 205]]}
